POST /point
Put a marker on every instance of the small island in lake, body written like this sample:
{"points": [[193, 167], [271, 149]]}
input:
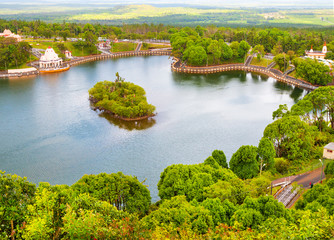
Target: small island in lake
{"points": [[121, 99]]}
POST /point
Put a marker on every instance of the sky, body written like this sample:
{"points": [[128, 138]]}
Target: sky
{"points": [[221, 3]]}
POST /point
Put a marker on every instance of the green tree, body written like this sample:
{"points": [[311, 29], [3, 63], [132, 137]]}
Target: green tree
{"points": [[16, 194], [195, 55], [124, 192], [292, 138], [329, 170], [244, 162], [235, 48], [220, 158], [314, 72], [177, 213], [227, 52], [243, 49], [215, 51], [190, 180], [282, 60], [282, 111], [266, 152]]}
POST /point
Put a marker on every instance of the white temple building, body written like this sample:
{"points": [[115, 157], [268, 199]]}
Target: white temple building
{"points": [[68, 54], [7, 33], [317, 54], [50, 60]]}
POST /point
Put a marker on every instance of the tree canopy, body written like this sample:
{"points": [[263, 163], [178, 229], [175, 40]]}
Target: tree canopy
{"points": [[244, 162]]}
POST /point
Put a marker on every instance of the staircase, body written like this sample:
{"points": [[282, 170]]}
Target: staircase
{"points": [[289, 71], [249, 59], [287, 195], [36, 52], [271, 65], [138, 47]]}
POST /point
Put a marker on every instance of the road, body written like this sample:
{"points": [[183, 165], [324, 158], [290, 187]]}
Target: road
{"points": [[289, 196]]}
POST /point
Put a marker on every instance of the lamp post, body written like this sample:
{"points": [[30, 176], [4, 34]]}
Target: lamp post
{"points": [[322, 169]]}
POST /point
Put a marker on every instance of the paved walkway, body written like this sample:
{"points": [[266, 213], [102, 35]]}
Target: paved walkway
{"points": [[286, 195]]}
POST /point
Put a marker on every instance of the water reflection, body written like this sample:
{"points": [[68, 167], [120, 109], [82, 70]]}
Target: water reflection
{"points": [[297, 94], [283, 87], [257, 78], [129, 125], [202, 80]]}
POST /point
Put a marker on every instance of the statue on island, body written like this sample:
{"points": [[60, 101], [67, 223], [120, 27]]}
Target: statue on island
{"points": [[121, 99]]}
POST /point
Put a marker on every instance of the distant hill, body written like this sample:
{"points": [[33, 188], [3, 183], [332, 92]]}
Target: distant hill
{"points": [[94, 11], [221, 3]]}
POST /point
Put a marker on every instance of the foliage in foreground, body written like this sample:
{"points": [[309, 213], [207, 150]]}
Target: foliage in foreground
{"points": [[63, 212], [124, 99]]}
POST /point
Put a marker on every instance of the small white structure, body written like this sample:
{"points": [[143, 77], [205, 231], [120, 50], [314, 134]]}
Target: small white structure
{"points": [[7, 33], [104, 44], [50, 59], [317, 54], [68, 54], [329, 151]]}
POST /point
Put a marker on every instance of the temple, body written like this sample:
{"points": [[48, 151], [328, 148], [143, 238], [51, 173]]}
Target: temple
{"points": [[317, 54], [50, 60], [7, 33]]}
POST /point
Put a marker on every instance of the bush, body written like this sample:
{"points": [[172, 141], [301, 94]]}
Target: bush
{"points": [[281, 165], [329, 170]]}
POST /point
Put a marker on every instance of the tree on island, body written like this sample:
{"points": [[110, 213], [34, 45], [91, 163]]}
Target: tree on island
{"points": [[122, 99]]}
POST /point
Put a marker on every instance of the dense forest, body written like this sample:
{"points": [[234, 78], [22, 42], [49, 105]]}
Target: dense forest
{"points": [[122, 99], [13, 54], [210, 200]]}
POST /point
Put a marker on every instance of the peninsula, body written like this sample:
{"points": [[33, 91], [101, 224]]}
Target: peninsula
{"points": [[121, 99]]}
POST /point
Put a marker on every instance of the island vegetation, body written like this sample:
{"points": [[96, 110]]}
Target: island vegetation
{"points": [[122, 99]]}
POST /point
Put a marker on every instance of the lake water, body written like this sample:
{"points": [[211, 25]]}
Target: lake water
{"points": [[49, 132]]}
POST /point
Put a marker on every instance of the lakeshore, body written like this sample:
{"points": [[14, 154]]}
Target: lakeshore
{"points": [[176, 67]]}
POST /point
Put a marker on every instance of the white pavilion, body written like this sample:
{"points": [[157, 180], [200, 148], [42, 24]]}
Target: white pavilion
{"points": [[50, 59]]}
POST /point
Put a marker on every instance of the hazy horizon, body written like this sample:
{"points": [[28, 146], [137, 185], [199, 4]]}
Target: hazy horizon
{"points": [[213, 3]]}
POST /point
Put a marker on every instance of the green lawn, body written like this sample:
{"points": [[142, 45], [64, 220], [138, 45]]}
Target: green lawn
{"points": [[154, 46], [123, 47], [69, 46], [263, 62]]}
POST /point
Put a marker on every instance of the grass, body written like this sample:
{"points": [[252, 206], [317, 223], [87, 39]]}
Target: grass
{"points": [[69, 46], [154, 46], [138, 11], [263, 62], [123, 47], [306, 167], [275, 189], [306, 17], [175, 15]]}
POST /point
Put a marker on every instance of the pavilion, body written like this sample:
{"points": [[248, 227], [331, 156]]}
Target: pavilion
{"points": [[50, 60]]}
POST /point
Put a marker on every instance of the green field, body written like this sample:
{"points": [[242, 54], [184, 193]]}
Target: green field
{"points": [[123, 47], [69, 46], [137, 14], [263, 62]]}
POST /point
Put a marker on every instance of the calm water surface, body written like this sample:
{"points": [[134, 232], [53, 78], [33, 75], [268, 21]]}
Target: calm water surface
{"points": [[49, 132]]}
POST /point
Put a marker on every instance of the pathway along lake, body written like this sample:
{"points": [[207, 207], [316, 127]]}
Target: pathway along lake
{"points": [[49, 133]]}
